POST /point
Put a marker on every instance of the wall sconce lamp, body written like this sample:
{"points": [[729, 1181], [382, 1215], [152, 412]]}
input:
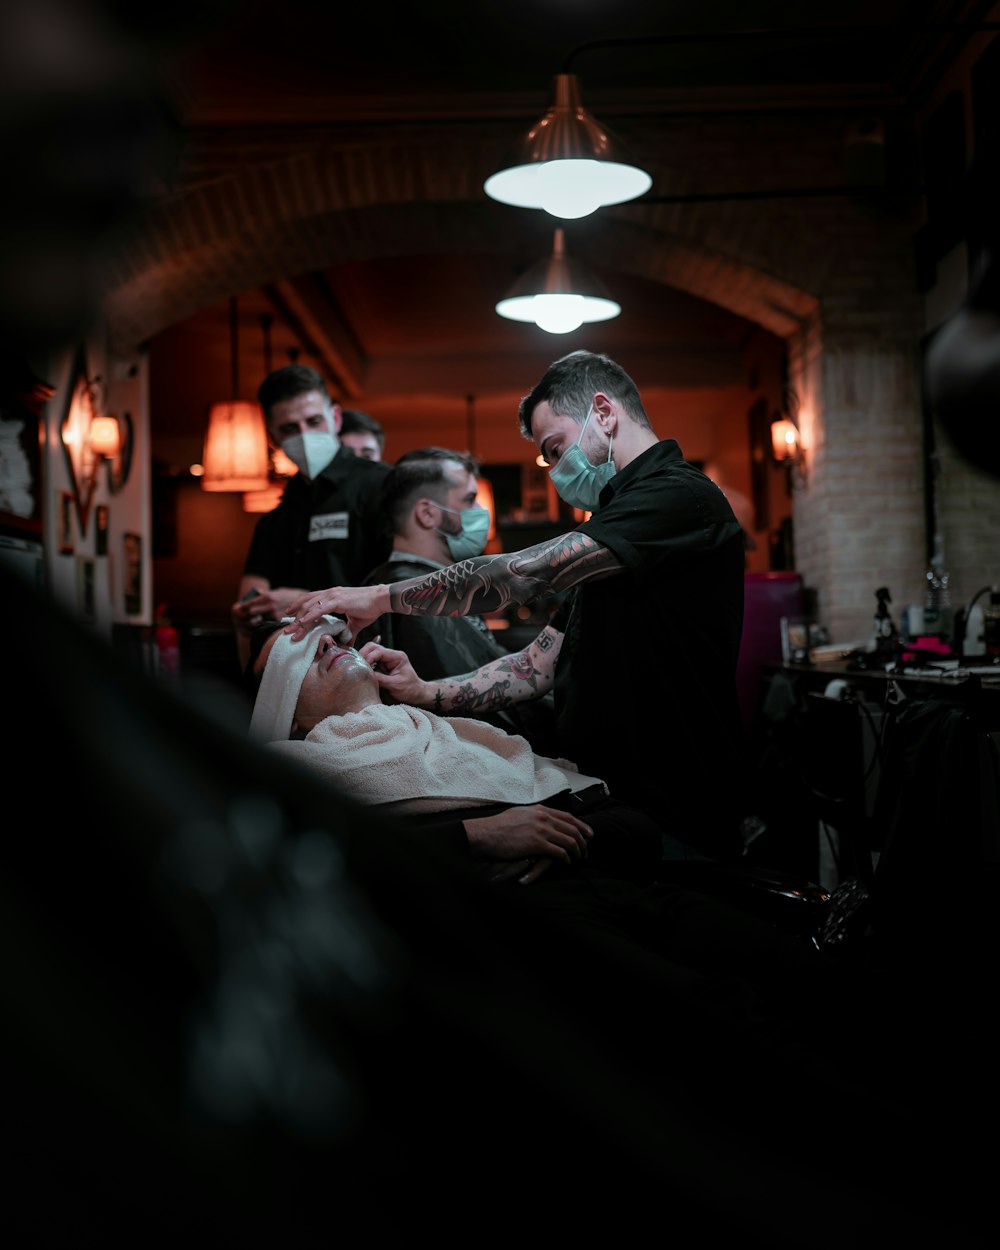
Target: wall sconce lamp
{"points": [[787, 449], [558, 294], [91, 438], [784, 440], [236, 453], [105, 437], [568, 163]]}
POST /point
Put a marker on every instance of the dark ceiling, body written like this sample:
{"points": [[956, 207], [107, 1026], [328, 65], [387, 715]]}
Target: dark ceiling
{"points": [[254, 73], [267, 61]]}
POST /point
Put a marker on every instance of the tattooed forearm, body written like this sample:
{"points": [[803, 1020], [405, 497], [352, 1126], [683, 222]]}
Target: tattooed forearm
{"points": [[514, 678], [491, 583]]}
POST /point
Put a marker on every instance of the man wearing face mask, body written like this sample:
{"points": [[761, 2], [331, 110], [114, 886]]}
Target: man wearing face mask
{"points": [[642, 653], [429, 499], [329, 525]]}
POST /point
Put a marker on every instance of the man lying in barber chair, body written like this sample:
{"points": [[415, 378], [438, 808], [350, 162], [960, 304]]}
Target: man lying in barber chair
{"points": [[512, 815]]}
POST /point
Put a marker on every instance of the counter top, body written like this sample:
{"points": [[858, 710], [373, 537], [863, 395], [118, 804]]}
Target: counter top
{"points": [[947, 678]]}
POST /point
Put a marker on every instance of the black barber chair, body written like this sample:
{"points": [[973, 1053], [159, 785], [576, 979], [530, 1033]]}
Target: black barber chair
{"points": [[796, 905], [809, 780]]}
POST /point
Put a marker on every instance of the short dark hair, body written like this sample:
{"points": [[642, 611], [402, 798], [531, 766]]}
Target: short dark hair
{"points": [[570, 383], [287, 383], [354, 421], [416, 471]]}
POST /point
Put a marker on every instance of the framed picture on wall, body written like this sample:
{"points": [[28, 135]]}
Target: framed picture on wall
{"points": [[132, 578], [101, 533], [64, 521]]}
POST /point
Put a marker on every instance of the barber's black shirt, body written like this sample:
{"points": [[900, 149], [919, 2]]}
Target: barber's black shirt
{"points": [[646, 680], [327, 532]]}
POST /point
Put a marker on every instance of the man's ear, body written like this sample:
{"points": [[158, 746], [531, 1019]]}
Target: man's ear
{"points": [[338, 417], [425, 513], [606, 412]]}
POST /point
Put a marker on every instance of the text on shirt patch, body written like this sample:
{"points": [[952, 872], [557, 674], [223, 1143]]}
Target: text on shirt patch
{"points": [[330, 525]]}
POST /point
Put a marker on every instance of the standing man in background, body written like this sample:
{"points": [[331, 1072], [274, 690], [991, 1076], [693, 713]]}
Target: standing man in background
{"points": [[329, 524], [362, 433], [642, 654]]}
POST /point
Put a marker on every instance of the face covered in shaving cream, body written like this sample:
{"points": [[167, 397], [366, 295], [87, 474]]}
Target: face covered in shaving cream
{"points": [[338, 680]]}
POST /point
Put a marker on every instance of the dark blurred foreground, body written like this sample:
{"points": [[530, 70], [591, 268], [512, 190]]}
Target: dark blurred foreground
{"points": [[238, 1007]]}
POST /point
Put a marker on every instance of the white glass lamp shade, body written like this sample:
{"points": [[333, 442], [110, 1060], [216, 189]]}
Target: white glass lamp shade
{"points": [[568, 164], [558, 295]]}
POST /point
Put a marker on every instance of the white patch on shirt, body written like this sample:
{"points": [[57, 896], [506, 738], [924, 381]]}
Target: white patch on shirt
{"points": [[330, 525]]}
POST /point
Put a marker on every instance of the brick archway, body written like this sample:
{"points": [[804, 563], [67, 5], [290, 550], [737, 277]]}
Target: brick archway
{"points": [[291, 214]]}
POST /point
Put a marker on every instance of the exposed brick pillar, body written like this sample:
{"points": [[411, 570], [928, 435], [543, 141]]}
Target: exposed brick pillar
{"points": [[859, 514]]}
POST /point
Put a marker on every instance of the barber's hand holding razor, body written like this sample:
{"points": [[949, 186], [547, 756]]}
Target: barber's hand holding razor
{"points": [[396, 676]]}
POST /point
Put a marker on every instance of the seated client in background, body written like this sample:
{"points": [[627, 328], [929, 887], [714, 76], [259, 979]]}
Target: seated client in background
{"points": [[429, 500]]}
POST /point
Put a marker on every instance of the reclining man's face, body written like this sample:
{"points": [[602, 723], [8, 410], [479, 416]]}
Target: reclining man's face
{"points": [[338, 680]]}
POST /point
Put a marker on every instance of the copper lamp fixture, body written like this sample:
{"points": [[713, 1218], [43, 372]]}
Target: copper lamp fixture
{"points": [[558, 294], [568, 164]]}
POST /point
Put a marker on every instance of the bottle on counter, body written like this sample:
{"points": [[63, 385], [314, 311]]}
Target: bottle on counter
{"points": [[937, 598], [884, 630]]}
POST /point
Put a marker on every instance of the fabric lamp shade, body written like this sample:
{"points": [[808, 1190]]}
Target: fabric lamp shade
{"points": [[236, 454], [263, 500]]}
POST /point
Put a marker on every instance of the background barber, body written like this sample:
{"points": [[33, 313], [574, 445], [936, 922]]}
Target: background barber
{"points": [[328, 526]]}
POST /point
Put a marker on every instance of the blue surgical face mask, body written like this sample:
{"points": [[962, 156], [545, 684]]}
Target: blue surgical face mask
{"points": [[578, 482], [471, 540]]}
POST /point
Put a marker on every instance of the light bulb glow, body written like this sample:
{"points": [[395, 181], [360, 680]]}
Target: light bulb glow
{"points": [[568, 188], [558, 313]]}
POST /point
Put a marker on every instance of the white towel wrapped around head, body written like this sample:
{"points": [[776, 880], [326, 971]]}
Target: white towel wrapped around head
{"points": [[284, 673]]}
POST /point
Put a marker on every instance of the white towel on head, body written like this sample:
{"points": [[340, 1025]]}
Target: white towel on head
{"points": [[284, 673]]}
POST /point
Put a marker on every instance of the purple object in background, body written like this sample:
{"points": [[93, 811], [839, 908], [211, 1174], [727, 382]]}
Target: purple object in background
{"points": [[767, 598]]}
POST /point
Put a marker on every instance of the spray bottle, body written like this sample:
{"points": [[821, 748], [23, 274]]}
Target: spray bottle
{"points": [[884, 629]]}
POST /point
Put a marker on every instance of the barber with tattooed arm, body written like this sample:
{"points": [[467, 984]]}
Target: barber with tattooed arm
{"points": [[641, 654]]}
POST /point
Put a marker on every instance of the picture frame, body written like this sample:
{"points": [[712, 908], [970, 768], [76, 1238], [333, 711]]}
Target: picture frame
{"points": [[101, 529], [132, 573], [794, 640], [64, 521]]}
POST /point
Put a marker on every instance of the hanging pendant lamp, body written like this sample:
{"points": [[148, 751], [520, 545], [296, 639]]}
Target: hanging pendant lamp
{"points": [[236, 454], [568, 163], [558, 294]]}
